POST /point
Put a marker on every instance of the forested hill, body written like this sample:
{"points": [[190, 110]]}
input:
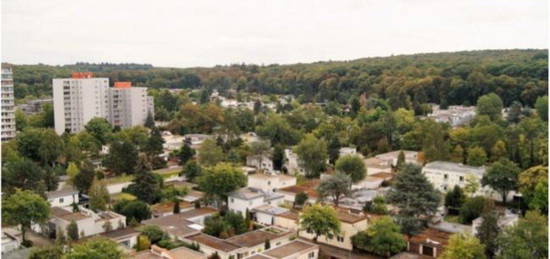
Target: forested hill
{"points": [[405, 80]]}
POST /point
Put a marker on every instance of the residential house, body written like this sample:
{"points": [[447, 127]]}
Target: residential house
{"points": [[62, 198], [393, 156], [429, 243], [351, 224], [446, 175], [247, 198], [243, 245], [181, 225], [125, 237], [506, 219], [157, 252], [167, 208], [260, 162], [347, 151], [266, 214], [308, 187], [376, 165], [89, 223], [270, 182], [195, 140], [250, 137], [11, 240], [292, 164], [454, 115], [297, 249]]}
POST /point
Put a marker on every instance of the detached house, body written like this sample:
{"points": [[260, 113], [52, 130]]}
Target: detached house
{"points": [[247, 198], [270, 182], [62, 198], [88, 222]]}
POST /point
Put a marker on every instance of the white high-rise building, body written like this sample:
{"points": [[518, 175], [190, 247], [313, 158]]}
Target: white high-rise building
{"points": [[129, 106], [79, 99], [8, 104]]}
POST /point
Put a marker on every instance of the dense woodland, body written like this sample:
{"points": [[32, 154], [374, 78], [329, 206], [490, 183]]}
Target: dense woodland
{"points": [[406, 81]]}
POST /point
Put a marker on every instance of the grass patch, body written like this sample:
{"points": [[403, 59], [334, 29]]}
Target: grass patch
{"points": [[123, 196], [165, 173], [452, 218]]}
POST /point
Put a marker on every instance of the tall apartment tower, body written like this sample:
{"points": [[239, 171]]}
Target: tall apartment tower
{"points": [[8, 104], [79, 99], [129, 106]]}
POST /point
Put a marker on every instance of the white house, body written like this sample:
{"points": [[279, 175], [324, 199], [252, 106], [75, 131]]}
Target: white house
{"points": [[88, 222], [247, 198], [125, 237], [376, 165], [393, 156], [292, 163], [260, 162], [195, 140], [297, 249], [62, 198], [445, 175], [266, 214], [505, 220], [344, 151], [270, 182]]}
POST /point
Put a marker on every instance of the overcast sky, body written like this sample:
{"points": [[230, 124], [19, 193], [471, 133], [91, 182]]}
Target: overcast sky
{"points": [[205, 33]]}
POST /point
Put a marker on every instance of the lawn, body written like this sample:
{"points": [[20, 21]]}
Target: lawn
{"points": [[452, 218], [164, 172], [122, 196]]}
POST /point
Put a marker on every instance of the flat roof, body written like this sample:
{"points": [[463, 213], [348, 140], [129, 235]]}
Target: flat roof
{"points": [[247, 193], [289, 249], [455, 167], [213, 242], [308, 187], [272, 210], [432, 237], [256, 237], [61, 193], [169, 206], [121, 233]]}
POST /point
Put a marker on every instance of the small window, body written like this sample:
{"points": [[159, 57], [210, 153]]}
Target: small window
{"points": [[311, 255], [461, 178], [60, 200], [445, 176], [232, 200]]}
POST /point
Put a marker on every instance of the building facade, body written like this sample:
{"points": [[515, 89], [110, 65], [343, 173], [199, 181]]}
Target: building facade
{"points": [[8, 104], [82, 97]]}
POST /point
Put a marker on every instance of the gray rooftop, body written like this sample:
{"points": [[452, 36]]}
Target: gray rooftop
{"points": [[61, 193], [455, 167], [272, 210]]}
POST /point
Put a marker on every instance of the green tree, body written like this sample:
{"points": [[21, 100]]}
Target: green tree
{"points": [[191, 170], [154, 146], [100, 129], [40, 145], [502, 176], [25, 208], [46, 252], [72, 231], [320, 221], [542, 107], [400, 159], [464, 246], [471, 209], [72, 171], [143, 243], [377, 206], [476, 156], [527, 239], [96, 248], [312, 154], [146, 187], [84, 179], [514, 114], [23, 174], [300, 199], [185, 153], [472, 185], [415, 197], [122, 158], [154, 233], [99, 196], [336, 187], [490, 105], [209, 153], [454, 199], [220, 180], [353, 166], [149, 121], [382, 237], [488, 231]]}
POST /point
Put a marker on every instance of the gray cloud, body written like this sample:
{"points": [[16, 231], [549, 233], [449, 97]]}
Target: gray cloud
{"points": [[207, 32]]}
